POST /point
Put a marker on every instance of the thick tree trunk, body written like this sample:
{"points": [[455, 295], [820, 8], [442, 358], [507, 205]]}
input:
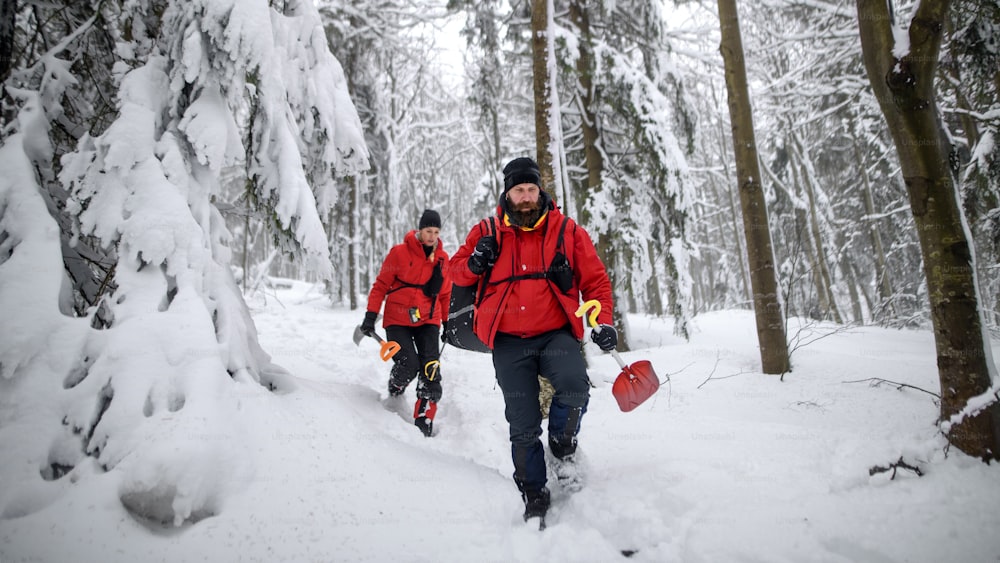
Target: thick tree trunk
{"points": [[594, 160], [763, 278], [904, 87], [584, 70], [542, 89]]}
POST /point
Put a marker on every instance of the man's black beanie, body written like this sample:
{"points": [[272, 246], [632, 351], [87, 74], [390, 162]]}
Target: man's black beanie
{"points": [[430, 218], [521, 170]]}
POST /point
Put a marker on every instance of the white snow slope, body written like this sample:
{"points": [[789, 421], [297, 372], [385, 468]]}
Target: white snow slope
{"points": [[723, 464]]}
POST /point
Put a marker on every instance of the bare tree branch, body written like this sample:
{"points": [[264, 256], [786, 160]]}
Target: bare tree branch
{"points": [[876, 381], [711, 375], [899, 464]]}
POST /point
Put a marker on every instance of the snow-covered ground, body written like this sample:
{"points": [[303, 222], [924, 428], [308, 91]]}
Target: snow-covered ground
{"points": [[723, 464]]}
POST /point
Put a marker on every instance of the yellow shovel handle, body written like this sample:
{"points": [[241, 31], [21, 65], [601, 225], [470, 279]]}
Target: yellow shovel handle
{"points": [[595, 309]]}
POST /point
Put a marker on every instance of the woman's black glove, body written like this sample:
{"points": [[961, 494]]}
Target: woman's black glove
{"points": [[485, 255], [605, 336], [368, 325]]}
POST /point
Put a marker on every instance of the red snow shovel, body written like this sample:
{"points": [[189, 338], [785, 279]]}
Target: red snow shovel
{"points": [[389, 348], [636, 382]]}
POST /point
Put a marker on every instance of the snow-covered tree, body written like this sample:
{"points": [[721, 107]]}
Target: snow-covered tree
{"points": [[127, 114], [630, 134], [416, 126]]}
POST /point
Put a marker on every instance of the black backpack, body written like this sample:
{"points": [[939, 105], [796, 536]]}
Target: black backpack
{"points": [[461, 314]]}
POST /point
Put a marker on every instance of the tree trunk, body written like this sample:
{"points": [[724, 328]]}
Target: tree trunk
{"points": [[734, 214], [852, 285], [594, 160], [760, 255], [745, 295], [882, 279], [831, 310], [8, 15], [542, 89], [853, 265], [653, 289], [353, 233], [804, 238], [904, 87]]}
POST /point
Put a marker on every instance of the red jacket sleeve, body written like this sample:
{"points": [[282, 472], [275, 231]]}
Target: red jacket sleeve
{"points": [[592, 277], [386, 275]]}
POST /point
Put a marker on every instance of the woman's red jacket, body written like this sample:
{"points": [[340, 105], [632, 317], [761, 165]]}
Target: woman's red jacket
{"points": [[405, 269]]}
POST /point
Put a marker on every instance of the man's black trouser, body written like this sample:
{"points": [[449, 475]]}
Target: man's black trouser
{"points": [[518, 362], [418, 355]]}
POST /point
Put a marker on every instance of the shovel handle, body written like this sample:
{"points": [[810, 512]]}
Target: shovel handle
{"points": [[621, 362], [594, 308], [389, 348]]}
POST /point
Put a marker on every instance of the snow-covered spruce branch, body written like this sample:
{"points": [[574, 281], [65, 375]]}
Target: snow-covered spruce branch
{"points": [[876, 381]]}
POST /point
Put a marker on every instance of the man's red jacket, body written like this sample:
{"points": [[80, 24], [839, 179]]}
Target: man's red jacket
{"points": [[404, 270], [529, 307]]}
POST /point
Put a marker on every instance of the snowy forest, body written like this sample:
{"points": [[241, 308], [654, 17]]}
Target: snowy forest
{"points": [[165, 162]]}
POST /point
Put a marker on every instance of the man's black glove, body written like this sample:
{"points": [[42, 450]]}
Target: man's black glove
{"points": [[444, 331], [485, 255], [605, 336], [368, 325]]}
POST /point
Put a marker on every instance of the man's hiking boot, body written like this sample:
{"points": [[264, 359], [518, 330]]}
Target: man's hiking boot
{"points": [[536, 503], [569, 472]]}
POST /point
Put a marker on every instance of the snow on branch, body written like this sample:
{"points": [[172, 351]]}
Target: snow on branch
{"points": [[974, 406]]}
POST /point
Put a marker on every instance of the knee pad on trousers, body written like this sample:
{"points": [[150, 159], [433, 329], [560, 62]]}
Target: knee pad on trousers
{"points": [[402, 373], [430, 390]]}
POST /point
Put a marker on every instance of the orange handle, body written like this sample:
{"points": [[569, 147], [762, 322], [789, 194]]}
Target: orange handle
{"points": [[389, 350]]}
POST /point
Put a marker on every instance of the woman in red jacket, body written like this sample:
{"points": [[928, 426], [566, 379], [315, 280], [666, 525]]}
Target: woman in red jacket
{"points": [[416, 288], [538, 263]]}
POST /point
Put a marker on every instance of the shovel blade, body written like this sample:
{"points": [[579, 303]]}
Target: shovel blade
{"points": [[634, 385], [358, 335]]}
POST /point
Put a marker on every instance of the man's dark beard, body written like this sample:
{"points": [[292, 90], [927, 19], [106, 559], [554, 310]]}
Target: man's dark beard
{"points": [[526, 218]]}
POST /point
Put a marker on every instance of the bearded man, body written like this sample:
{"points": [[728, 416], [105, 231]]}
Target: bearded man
{"points": [[538, 264]]}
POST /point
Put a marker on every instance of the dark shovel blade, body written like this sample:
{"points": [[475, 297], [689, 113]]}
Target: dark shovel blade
{"points": [[358, 335], [634, 385]]}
